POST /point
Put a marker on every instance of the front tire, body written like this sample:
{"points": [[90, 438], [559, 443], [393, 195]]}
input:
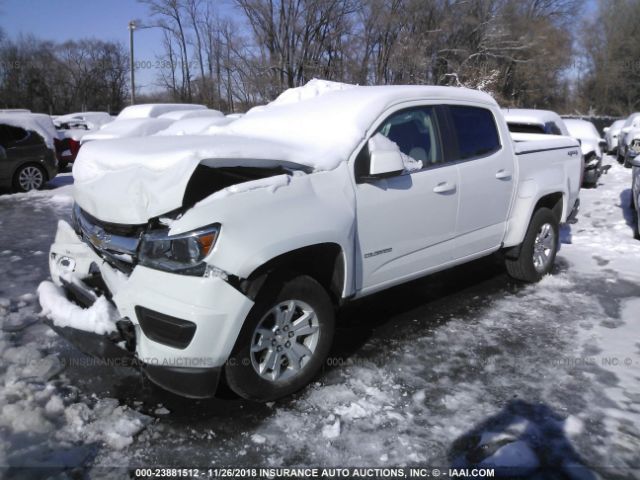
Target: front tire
{"points": [[29, 177], [284, 341], [538, 250]]}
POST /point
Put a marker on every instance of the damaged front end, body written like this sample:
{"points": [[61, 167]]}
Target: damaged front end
{"points": [[179, 316]]}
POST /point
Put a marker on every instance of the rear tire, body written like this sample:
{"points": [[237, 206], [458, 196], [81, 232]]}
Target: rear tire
{"points": [[29, 177], [538, 250], [284, 341]]}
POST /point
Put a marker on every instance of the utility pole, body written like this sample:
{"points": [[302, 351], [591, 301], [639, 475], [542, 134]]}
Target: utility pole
{"points": [[132, 27]]}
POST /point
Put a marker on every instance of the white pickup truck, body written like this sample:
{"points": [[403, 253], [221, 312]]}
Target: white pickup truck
{"points": [[230, 252]]}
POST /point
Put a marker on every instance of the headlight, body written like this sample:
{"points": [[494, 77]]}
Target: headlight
{"points": [[178, 253]]}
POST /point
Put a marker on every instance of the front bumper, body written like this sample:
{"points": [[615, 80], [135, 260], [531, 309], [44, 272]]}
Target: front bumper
{"points": [[215, 308]]}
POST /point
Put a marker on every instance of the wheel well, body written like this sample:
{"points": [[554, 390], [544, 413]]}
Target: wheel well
{"points": [[552, 201], [324, 262]]}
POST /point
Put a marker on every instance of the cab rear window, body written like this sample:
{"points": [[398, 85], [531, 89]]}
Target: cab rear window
{"points": [[476, 131]]}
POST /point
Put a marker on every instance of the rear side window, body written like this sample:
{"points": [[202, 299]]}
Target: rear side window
{"points": [[525, 128], [476, 131], [9, 135]]}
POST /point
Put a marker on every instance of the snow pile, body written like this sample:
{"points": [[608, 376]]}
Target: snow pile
{"points": [[92, 120], [44, 421], [312, 89], [106, 422], [133, 127], [100, 318], [153, 110]]}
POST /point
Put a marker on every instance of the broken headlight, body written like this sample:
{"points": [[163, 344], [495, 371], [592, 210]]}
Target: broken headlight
{"points": [[182, 253]]}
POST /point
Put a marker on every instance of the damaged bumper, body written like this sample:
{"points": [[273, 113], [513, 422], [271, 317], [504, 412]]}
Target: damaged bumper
{"points": [[179, 329]]}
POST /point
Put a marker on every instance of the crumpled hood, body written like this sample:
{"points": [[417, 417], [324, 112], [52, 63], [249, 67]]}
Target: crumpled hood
{"points": [[129, 181]]}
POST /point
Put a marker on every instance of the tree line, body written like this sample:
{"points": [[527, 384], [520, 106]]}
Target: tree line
{"points": [[527, 53]]}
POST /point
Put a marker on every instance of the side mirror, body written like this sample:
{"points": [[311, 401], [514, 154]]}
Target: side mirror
{"points": [[605, 129], [602, 142], [626, 129], [385, 158]]}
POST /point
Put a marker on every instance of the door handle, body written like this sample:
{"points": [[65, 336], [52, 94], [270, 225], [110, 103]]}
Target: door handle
{"points": [[444, 187], [503, 174]]}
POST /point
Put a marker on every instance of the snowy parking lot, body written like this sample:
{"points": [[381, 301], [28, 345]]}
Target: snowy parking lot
{"points": [[462, 368]]}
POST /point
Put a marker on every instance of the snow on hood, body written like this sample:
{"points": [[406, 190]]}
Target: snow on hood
{"points": [[36, 122], [128, 181]]}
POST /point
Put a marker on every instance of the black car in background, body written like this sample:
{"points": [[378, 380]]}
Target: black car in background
{"points": [[26, 161]]}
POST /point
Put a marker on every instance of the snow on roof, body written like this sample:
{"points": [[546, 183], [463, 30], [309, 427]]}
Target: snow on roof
{"points": [[197, 113], [36, 122], [133, 127], [325, 121], [149, 110], [582, 129], [194, 126]]}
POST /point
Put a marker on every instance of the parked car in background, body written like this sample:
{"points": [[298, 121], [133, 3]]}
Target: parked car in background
{"points": [[591, 145], [127, 128], [633, 147], [71, 128], [611, 134], [195, 126], [147, 119], [635, 192], [27, 151], [186, 114], [524, 124], [154, 110], [345, 204], [631, 122], [526, 120], [82, 121]]}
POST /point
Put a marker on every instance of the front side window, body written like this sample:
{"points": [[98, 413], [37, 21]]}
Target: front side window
{"points": [[414, 130], [476, 130]]}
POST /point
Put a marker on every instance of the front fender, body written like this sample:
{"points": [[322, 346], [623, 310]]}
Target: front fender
{"points": [[261, 224]]}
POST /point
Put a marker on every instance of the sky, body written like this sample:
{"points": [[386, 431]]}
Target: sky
{"points": [[62, 20]]}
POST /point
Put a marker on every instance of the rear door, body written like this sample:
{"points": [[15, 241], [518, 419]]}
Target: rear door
{"points": [[406, 223], [486, 179]]}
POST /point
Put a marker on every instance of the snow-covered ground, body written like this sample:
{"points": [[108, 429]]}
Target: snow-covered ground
{"points": [[463, 368]]}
